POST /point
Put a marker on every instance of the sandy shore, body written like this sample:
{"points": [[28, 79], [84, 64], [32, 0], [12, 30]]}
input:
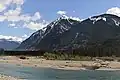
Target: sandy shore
{"points": [[3, 77], [38, 62], [57, 64]]}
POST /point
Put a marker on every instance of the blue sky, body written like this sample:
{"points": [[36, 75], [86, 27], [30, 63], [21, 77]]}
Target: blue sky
{"points": [[83, 8], [20, 18]]}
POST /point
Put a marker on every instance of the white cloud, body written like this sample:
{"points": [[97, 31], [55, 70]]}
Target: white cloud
{"points": [[15, 16], [35, 25], [2, 18], [36, 16], [6, 3], [61, 12], [18, 2], [33, 22], [114, 11], [15, 12], [12, 25], [10, 15], [2, 7], [25, 17], [25, 36], [11, 38]]}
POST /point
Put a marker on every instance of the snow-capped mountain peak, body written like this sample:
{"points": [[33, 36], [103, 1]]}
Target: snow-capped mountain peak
{"points": [[68, 18], [62, 21]]}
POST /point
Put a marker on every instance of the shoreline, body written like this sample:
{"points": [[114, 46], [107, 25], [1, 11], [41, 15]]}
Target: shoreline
{"points": [[5, 77], [60, 64]]}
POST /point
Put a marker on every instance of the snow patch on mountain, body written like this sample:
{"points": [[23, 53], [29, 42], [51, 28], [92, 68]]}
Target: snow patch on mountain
{"points": [[116, 22], [114, 11], [94, 19], [64, 28]]}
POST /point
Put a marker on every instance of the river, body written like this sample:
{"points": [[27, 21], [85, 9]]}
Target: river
{"points": [[32, 73]]}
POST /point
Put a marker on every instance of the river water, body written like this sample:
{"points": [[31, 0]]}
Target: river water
{"points": [[29, 73]]}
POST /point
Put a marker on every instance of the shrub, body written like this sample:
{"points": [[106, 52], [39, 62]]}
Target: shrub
{"points": [[65, 56]]}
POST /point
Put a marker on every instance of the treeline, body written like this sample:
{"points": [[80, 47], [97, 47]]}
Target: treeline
{"points": [[25, 53], [86, 51], [97, 51], [107, 48]]}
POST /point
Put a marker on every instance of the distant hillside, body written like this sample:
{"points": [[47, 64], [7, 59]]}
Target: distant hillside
{"points": [[8, 45]]}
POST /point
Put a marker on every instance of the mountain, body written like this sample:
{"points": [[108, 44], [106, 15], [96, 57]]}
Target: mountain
{"points": [[54, 30], [32, 40], [67, 34], [8, 45]]}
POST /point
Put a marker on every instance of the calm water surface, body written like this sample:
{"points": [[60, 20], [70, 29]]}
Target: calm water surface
{"points": [[29, 73]]}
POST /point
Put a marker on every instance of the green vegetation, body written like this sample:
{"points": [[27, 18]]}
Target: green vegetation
{"points": [[76, 57], [65, 56]]}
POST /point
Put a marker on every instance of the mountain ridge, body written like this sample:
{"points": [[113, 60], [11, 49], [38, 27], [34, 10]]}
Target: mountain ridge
{"points": [[8, 44], [65, 33]]}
